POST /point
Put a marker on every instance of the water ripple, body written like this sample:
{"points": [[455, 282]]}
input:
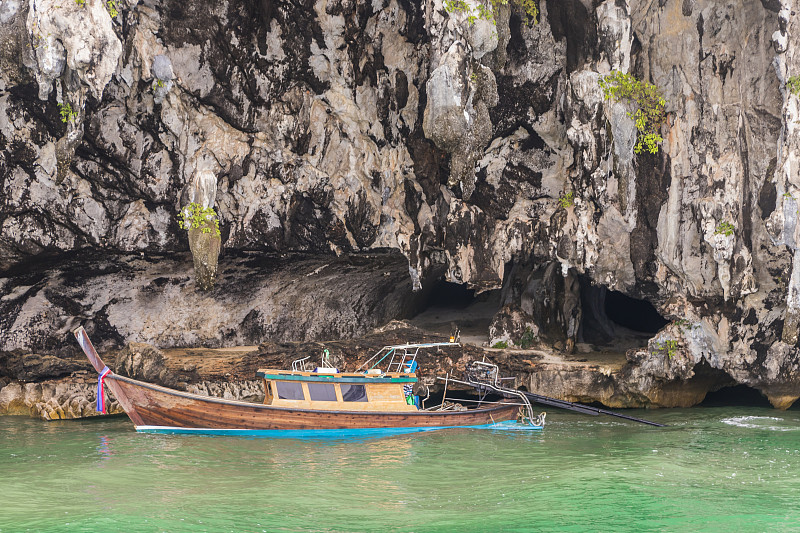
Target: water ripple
{"points": [[758, 422]]}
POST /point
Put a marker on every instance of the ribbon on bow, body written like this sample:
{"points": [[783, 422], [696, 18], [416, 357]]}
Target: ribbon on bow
{"points": [[101, 398]]}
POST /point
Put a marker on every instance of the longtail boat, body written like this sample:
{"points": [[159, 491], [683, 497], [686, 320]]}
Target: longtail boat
{"points": [[301, 402]]}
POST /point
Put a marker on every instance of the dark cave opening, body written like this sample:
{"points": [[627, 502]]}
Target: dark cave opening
{"points": [[634, 314], [445, 304], [741, 395], [723, 391], [612, 318], [447, 295]]}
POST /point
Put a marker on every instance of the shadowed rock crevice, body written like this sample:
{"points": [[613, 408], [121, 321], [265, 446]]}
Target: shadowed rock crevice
{"points": [[612, 318], [447, 295], [571, 20], [565, 308], [735, 395]]}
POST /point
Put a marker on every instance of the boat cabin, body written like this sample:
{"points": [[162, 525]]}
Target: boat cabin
{"points": [[340, 392], [367, 389]]}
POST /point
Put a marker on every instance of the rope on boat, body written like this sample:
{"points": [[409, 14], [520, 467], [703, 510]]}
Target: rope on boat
{"points": [[427, 393], [101, 397], [445, 387]]}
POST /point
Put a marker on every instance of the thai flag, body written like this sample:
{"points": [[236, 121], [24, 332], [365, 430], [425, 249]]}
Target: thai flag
{"points": [[101, 398]]}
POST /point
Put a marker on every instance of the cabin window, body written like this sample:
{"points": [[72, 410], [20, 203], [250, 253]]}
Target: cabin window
{"points": [[353, 393], [322, 392], [289, 390]]}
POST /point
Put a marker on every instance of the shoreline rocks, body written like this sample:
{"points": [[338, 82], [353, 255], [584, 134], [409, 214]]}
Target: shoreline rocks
{"points": [[615, 381], [61, 399]]}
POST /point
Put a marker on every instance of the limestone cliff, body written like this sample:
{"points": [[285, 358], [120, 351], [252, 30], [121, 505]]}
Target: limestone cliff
{"points": [[480, 149]]}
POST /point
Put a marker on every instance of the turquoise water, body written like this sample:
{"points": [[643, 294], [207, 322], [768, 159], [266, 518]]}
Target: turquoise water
{"points": [[713, 469]]}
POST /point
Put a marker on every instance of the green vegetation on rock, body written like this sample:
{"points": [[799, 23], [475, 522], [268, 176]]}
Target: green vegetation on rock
{"points": [[67, 114], [725, 228], [489, 11], [527, 339], [112, 8], [650, 114], [685, 325], [502, 345], [670, 346], [567, 200], [793, 84], [195, 215]]}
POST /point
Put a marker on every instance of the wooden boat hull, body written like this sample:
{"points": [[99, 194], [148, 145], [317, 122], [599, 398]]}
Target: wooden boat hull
{"points": [[151, 407], [157, 409]]}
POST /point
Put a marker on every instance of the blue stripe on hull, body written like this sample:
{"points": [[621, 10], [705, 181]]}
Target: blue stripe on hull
{"points": [[324, 433]]}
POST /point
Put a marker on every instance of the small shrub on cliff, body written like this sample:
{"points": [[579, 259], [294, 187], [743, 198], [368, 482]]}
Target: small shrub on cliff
{"points": [[527, 339], [36, 36], [456, 6], [725, 228], [66, 112], [650, 114], [670, 346], [112, 8], [195, 216], [489, 11], [567, 200], [502, 345], [789, 196], [793, 84], [685, 325], [80, 3]]}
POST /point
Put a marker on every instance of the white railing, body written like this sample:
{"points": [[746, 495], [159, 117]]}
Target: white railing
{"points": [[401, 355], [300, 364]]}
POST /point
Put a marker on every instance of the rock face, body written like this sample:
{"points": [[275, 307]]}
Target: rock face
{"points": [[130, 299], [486, 153]]}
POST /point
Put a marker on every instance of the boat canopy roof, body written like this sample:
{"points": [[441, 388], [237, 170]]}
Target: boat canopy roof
{"points": [[284, 375]]}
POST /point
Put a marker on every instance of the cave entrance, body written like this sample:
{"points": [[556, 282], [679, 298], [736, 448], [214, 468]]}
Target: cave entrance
{"points": [[633, 314], [610, 318], [446, 303], [447, 295], [741, 395]]}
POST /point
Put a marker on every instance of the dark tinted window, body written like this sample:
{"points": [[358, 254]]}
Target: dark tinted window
{"points": [[288, 390], [353, 393], [324, 392]]}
